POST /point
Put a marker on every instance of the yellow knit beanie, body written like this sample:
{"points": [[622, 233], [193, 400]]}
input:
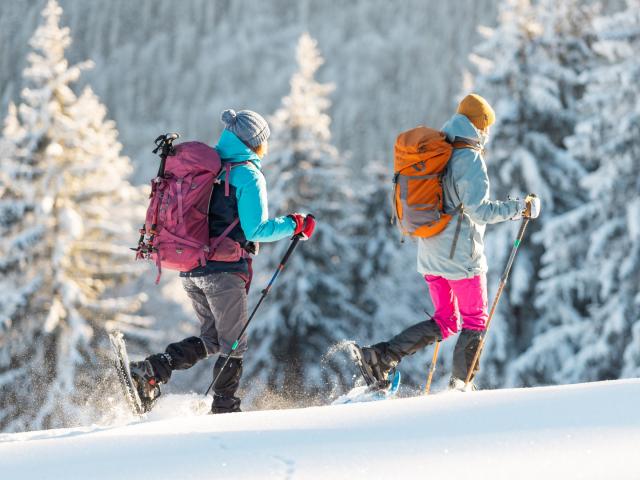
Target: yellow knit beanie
{"points": [[478, 110]]}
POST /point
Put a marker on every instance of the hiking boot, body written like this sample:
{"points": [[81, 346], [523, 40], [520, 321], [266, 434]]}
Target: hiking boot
{"points": [[464, 352], [225, 404], [145, 382], [224, 399], [376, 363], [457, 384]]}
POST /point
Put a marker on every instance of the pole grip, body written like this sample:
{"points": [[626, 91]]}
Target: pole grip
{"points": [[292, 247]]}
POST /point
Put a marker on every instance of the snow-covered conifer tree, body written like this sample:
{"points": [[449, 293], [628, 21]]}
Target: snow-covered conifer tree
{"points": [[19, 238], [378, 244], [309, 309], [589, 294], [529, 68], [65, 211]]}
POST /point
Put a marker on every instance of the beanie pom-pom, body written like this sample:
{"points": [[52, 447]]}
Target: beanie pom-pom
{"points": [[229, 116]]}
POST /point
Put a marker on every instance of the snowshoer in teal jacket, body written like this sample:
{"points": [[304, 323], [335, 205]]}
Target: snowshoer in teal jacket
{"points": [[247, 201], [218, 289]]}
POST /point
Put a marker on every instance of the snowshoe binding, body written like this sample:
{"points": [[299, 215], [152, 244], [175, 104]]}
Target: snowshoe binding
{"points": [[380, 375], [373, 366], [145, 382]]}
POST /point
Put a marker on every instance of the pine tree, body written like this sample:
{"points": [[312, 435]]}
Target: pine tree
{"points": [[377, 242], [529, 68], [310, 309], [589, 293], [18, 242], [65, 210]]}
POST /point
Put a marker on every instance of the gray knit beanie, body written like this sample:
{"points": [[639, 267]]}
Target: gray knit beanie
{"points": [[248, 126]]}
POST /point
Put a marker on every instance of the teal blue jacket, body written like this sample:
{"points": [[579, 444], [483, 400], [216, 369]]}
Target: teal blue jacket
{"points": [[251, 192]]}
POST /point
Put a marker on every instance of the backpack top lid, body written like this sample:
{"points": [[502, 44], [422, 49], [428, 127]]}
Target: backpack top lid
{"points": [[419, 145], [193, 157]]}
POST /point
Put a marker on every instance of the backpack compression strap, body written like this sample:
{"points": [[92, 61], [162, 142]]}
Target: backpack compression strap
{"points": [[225, 234]]}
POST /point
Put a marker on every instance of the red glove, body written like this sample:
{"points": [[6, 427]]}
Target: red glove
{"points": [[305, 225]]}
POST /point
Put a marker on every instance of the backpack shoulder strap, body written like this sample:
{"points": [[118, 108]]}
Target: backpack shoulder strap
{"points": [[454, 244], [457, 144], [237, 164], [226, 168], [460, 142]]}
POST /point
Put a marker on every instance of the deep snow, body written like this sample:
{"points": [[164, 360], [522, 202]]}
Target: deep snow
{"points": [[577, 431]]}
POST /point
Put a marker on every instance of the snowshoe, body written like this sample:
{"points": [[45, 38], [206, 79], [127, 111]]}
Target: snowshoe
{"points": [[138, 405], [383, 381], [372, 393]]}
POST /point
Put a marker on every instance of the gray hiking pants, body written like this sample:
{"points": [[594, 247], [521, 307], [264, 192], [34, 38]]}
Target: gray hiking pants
{"points": [[220, 303]]}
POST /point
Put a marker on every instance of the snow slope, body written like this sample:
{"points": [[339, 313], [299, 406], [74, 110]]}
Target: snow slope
{"points": [[578, 431]]}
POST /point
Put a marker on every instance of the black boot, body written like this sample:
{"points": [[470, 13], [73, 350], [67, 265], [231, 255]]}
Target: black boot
{"points": [[177, 356], [145, 382], [224, 399], [463, 354], [375, 362], [147, 375], [379, 359]]}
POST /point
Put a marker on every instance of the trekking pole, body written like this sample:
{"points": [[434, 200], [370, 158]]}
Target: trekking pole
{"points": [[434, 360], [265, 292], [503, 282], [164, 144]]}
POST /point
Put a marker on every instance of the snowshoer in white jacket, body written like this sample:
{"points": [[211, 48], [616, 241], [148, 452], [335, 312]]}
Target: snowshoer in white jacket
{"points": [[453, 262]]}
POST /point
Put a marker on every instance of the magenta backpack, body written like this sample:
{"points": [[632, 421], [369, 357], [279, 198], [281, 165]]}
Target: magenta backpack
{"points": [[175, 233]]}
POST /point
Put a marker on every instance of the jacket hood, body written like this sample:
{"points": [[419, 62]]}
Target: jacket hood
{"points": [[232, 149], [460, 126]]}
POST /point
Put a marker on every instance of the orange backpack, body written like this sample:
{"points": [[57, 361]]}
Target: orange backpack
{"points": [[420, 159]]}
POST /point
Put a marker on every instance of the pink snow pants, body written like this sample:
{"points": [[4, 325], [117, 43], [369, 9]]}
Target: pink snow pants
{"points": [[454, 298]]}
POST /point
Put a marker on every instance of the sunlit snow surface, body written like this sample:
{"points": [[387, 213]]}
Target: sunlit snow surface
{"points": [[580, 431]]}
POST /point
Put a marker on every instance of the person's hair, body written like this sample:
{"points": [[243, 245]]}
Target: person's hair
{"points": [[259, 150]]}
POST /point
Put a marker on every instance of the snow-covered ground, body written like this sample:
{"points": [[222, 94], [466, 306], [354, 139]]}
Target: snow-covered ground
{"points": [[578, 431]]}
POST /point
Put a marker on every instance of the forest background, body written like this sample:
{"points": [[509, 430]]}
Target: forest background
{"points": [[338, 82]]}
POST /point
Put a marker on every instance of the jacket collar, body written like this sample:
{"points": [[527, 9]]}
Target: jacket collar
{"points": [[232, 149], [459, 127]]}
